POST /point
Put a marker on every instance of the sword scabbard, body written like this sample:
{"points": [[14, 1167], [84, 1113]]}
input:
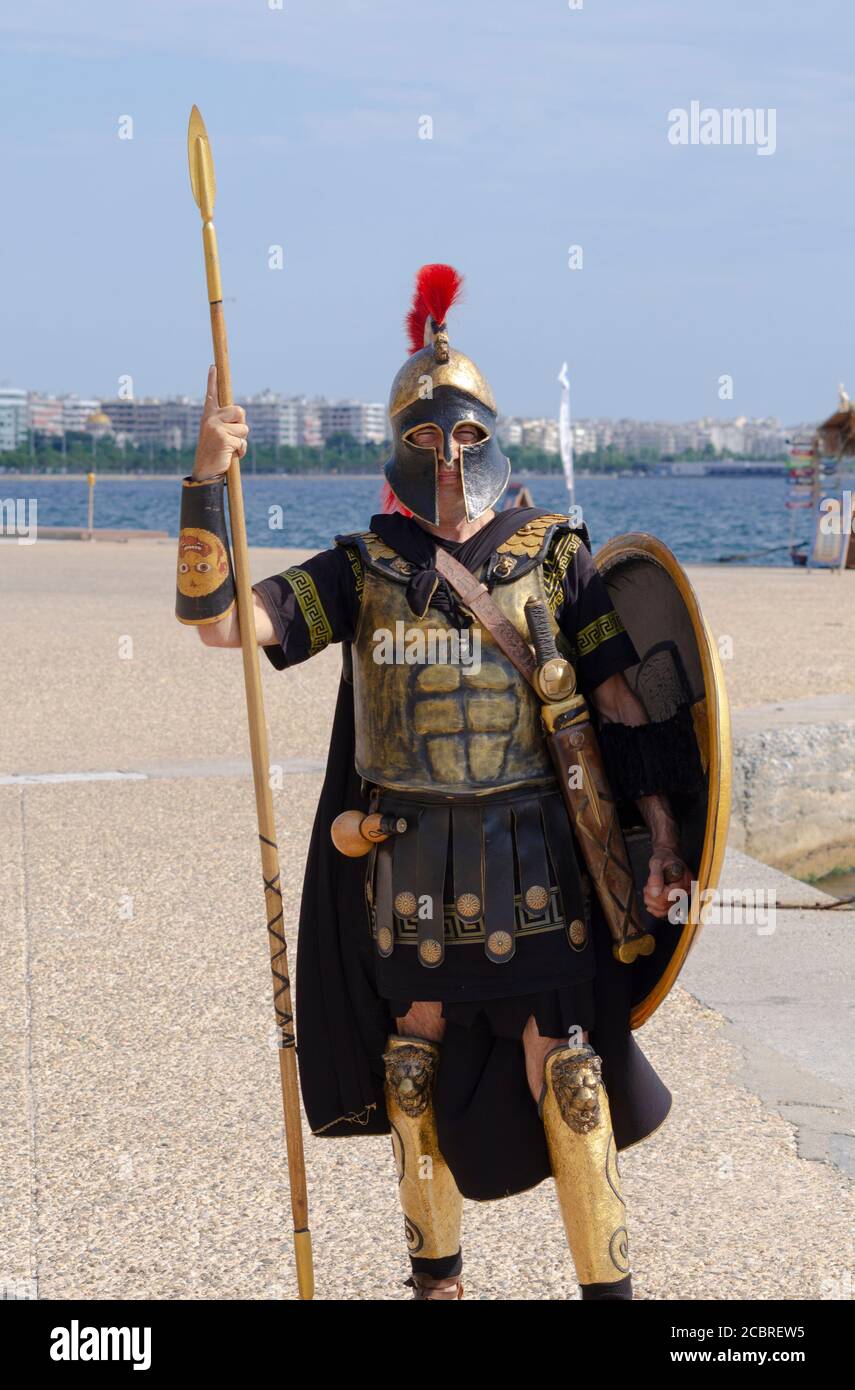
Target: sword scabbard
{"points": [[575, 752]]}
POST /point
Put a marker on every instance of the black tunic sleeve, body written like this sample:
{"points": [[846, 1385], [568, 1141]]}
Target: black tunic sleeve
{"points": [[599, 644], [312, 604]]}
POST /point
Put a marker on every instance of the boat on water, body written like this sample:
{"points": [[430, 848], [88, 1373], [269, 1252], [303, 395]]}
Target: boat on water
{"points": [[517, 495]]}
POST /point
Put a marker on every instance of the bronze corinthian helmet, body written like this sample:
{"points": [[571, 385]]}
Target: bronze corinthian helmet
{"points": [[438, 385]]}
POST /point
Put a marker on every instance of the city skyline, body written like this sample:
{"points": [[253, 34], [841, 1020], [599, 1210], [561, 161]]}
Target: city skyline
{"points": [[267, 391], [277, 420], [826, 407]]}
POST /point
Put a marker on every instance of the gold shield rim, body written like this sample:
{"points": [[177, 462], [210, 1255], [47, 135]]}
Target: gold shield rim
{"points": [[640, 543]]}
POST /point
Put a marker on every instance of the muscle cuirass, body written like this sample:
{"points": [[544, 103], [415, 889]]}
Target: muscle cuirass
{"points": [[451, 739], [433, 714]]}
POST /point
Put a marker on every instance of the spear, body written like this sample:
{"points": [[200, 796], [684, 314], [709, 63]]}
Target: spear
{"points": [[204, 191]]}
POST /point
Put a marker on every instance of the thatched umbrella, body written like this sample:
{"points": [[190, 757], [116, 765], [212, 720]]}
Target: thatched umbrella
{"points": [[836, 435]]}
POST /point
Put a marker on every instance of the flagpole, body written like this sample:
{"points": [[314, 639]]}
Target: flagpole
{"points": [[565, 435]]}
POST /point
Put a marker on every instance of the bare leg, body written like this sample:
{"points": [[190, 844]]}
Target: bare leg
{"points": [[424, 1020], [536, 1049]]}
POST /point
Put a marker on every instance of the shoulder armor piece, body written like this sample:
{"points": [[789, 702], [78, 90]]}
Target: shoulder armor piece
{"points": [[357, 538], [377, 556], [526, 548]]}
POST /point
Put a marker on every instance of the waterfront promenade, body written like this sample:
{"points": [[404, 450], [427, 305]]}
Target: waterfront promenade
{"points": [[141, 1119]]}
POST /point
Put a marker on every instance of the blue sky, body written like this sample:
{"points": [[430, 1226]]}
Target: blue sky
{"points": [[550, 129]]}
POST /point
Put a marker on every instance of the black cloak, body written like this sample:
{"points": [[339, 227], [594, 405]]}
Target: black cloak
{"points": [[487, 1122]]}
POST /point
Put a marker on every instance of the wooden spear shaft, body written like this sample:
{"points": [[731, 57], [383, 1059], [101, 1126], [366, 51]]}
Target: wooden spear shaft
{"points": [[204, 189]]}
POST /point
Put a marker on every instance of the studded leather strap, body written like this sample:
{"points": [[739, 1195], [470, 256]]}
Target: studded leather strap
{"points": [[468, 862], [433, 854], [531, 857], [499, 915]]}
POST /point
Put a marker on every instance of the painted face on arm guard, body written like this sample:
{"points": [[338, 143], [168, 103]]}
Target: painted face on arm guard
{"points": [[440, 386]]}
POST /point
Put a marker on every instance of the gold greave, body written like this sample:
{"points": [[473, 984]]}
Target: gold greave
{"points": [[430, 1200], [575, 1111]]}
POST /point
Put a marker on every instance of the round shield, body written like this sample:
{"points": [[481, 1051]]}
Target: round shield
{"points": [[679, 665]]}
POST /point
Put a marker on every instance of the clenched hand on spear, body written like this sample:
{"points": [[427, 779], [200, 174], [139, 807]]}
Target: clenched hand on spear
{"points": [[206, 593]]}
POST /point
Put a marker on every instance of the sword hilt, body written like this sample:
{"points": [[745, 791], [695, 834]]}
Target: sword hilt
{"points": [[542, 640], [554, 678]]}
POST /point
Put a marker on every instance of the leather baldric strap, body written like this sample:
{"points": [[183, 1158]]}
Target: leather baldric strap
{"points": [[592, 807], [477, 599]]}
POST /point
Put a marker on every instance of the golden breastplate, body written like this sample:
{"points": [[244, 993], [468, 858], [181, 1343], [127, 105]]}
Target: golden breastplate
{"points": [[431, 717]]}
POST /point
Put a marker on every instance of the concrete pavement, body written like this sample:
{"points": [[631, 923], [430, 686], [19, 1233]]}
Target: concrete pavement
{"points": [[141, 1125]]}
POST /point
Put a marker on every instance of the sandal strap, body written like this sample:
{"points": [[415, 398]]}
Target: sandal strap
{"points": [[430, 1290]]}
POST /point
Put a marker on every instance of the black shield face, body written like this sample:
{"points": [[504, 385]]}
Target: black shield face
{"points": [[679, 667], [412, 471]]}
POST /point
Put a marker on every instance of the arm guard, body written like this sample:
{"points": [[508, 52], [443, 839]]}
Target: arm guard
{"points": [[206, 586], [645, 759]]}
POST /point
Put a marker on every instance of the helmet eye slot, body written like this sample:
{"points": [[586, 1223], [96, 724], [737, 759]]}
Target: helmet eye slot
{"points": [[469, 432], [424, 437]]}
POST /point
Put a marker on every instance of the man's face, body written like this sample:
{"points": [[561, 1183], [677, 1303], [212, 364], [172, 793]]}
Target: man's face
{"points": [[430, 437]]}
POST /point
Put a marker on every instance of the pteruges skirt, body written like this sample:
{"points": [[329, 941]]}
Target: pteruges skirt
{"points": [[513, 937]]}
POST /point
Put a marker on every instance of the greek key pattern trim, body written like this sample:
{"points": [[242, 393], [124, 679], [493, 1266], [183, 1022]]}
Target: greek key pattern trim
{"points": [[358, 573], [314, 614], [555, 567], [458, 931], [599, 631]]}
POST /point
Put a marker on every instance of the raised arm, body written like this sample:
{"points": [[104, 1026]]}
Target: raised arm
{"points": [[223, 432], [298, 611]]}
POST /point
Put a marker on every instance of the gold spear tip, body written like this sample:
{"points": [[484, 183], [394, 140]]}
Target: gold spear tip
{"points": [[202, 179]]}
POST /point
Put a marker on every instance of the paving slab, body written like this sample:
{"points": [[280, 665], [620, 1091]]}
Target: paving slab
{"points": [[785, 985]]}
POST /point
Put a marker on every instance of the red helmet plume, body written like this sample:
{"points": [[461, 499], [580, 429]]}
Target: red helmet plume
{"points": [[437, 288], [390, 503]]}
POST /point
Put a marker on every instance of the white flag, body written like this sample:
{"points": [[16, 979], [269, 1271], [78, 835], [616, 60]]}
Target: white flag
{"points": [[565, 436]]}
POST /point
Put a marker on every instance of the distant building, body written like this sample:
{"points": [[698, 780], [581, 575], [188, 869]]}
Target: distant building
{"points": [[529, 434], [272, 420], [13, 418], [365, 422], [309, 427], [540, 434], [584, 438], [140, 421], [293, 421], [298, 421], [76, 412], [44, 414], [761, 438], [174, 423], [179, 423], [509, 431], [729, 435]]}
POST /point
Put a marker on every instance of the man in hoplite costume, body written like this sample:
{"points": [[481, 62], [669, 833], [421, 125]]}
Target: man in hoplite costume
{"points": [[458, 985]]}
